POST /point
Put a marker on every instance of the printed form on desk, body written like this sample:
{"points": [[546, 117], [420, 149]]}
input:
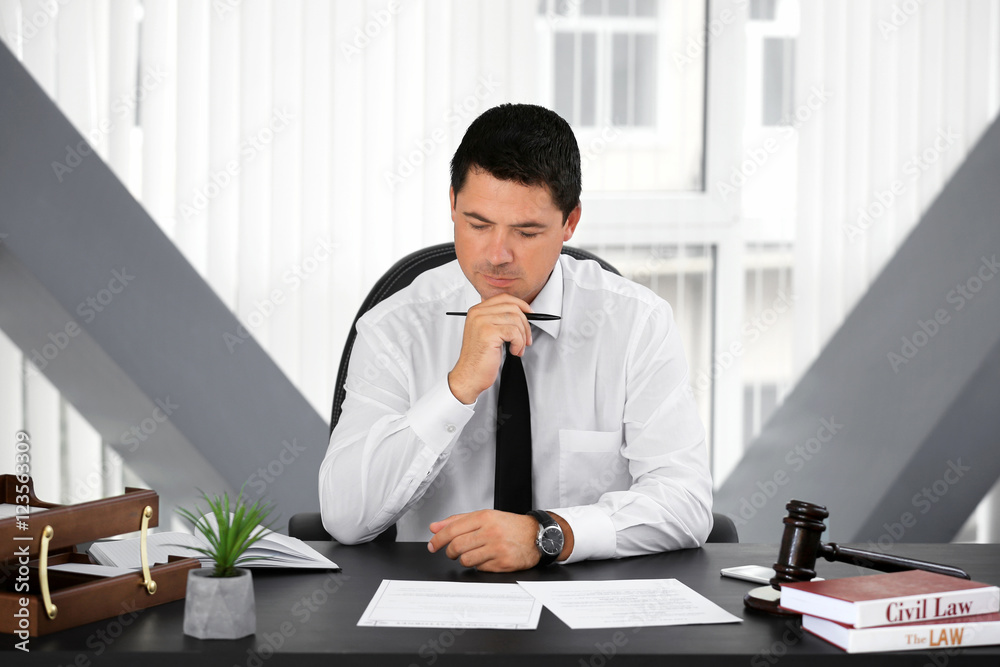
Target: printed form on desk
{"points": [[451, 604], [579, 604], [626, 603]]}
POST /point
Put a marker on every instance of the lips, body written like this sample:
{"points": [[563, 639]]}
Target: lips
{"points": [[498, 282]]}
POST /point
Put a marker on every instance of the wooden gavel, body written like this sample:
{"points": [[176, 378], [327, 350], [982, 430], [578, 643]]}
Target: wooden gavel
{"points": [[801, 546]]}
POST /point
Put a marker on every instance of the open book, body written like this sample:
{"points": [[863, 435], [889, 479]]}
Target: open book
{"points": [[276, 549]]}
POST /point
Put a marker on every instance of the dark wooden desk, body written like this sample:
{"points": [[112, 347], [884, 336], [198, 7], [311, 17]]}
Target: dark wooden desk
{"points": [[310, 619]]}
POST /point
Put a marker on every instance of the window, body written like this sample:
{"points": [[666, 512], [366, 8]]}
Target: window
{"points": [[628, 75], [778, 77], [605, 61]]}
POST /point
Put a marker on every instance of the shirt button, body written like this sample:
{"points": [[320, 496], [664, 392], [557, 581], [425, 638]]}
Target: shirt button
{"points": [[450, 428]]}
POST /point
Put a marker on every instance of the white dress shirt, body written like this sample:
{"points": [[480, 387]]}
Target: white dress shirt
{"points": [[618, 449]]}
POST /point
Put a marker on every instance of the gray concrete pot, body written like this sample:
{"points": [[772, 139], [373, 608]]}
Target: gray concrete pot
{"points": [[219, 607]]}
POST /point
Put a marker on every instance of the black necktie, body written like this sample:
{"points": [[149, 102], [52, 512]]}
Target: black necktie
{"points": [[512, 490]]}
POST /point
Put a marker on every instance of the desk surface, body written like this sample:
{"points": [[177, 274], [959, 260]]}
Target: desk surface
{"points": [[309, 618]]}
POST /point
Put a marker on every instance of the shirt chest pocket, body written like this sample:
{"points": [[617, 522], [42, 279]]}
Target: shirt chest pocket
{"points": [[590, 464]]}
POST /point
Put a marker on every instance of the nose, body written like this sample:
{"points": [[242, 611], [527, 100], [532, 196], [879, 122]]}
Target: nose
{"points": [[498, 252]]}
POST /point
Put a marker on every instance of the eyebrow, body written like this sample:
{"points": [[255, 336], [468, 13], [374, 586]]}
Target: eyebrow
{"points": [[530, 224]]}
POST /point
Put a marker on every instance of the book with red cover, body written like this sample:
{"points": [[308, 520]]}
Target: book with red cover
{"points": [[981, 630], [891, 598]]}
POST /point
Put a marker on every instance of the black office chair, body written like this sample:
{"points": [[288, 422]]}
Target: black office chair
{"points": [[309, 525]]}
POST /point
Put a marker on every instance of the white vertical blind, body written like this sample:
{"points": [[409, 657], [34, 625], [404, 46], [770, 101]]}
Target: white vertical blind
{"points": [[348, 278], [255, 158], [220, 193], [315, 348], [293, 259], [192, 161], [123, 63], [158, 112]]}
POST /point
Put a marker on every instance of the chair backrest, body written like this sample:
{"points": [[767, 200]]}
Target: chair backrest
{"points": [[401, 274]]}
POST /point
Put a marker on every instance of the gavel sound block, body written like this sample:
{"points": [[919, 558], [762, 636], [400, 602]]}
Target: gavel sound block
{"points": [[801, 546]]}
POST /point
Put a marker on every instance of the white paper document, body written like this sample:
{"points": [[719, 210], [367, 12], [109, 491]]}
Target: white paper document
{"points": [[451, 604], [626, 603], [87, 568]]}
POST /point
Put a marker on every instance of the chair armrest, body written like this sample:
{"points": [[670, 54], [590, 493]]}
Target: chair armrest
{"points": [[308, 526]]}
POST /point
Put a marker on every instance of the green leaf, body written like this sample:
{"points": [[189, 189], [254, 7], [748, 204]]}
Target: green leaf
{"points": [[238, 527]]}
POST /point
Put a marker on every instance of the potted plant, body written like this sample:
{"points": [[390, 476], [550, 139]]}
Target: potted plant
{"points": [[219, 603]]}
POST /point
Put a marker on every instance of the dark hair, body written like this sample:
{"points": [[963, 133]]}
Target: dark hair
{"points": [[524, 143]]}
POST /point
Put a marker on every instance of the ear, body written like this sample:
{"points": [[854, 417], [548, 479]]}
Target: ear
{"points": [[451, 203], [571, 222]]}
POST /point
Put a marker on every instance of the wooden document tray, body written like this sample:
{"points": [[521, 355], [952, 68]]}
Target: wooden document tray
{"points": [[35, 601]]}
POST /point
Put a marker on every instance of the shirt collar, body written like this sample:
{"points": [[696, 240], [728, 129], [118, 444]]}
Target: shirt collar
{"points": [[549, 300]]}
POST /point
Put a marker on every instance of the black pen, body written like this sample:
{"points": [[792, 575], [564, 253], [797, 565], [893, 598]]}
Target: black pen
{"points": [[532, 317]]}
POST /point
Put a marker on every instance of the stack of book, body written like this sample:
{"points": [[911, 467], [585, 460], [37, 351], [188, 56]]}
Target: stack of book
{"points": [[898, 611]]}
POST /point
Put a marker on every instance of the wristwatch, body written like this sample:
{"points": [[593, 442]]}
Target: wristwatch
{"points": [[549, 539]]}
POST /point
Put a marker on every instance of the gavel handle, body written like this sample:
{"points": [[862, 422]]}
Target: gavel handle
{"points": [[884, 562]]}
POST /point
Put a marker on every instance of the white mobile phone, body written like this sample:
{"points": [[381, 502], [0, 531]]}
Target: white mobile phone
{"points": [[755, 573]]}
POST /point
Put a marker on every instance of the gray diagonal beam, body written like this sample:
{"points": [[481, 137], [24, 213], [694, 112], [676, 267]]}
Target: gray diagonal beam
{"points": [[894, 427]]}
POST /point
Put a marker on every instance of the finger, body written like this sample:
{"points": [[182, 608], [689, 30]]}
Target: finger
{"points": [[463, 544], [514, 334], [455, 526], [478, 558], [438, 525]]}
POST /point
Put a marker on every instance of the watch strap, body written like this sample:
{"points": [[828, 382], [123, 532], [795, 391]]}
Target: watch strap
{"points": [[544, 520]]}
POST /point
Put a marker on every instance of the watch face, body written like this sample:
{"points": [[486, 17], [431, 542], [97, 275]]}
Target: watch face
{"points": [[551, 541]]}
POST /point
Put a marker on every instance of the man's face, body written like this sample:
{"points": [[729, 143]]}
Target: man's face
{"points": [[508, 236]]}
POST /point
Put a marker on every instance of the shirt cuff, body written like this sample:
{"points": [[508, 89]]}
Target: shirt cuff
{"points": [[594, 535], [438, 417]]}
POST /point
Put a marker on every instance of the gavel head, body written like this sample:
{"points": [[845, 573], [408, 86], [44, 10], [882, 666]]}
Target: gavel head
{"points": [[800, 543]]}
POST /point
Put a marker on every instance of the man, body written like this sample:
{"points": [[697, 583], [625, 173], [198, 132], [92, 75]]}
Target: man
{"points": [[617, 451]]}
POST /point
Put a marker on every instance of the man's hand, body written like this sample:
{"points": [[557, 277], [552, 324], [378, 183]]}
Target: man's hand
{"points": [[488, 540], [488, 326]]}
